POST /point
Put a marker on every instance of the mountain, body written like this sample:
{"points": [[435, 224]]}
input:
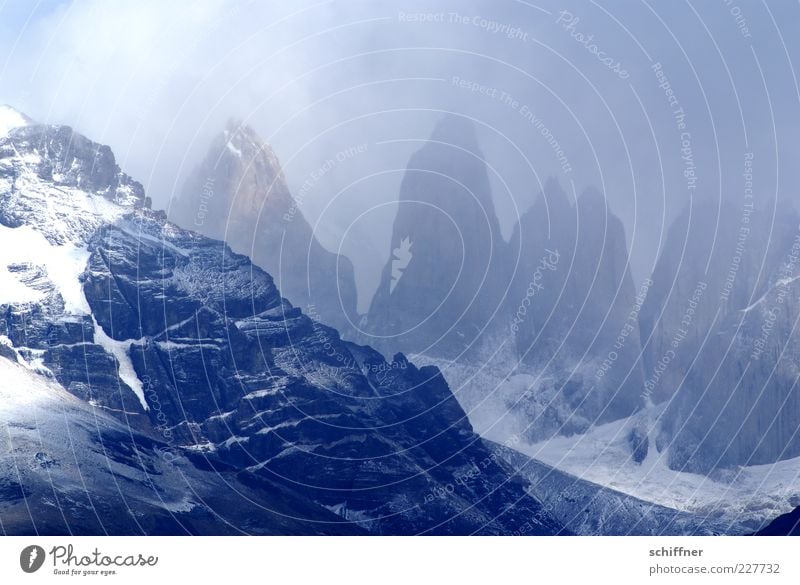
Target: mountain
{"points": [[239, 194], [564, 352], [11, 119], [739, 402], [556, 305], [716, 259], [573, 308], [70, 468], [446, 276], [155, 344], [720, 343]]}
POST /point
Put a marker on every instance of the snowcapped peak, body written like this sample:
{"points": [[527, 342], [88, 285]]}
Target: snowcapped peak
{"points": [[10, 119], [58, 180]]}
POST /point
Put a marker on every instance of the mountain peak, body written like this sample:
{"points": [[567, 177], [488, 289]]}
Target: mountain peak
{"points": [[243, 150], [49, 172], [446, 246], [243, 139], [239, 193]]}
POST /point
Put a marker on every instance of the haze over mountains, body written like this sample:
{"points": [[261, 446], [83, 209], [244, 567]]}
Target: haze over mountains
{"points": [[549, 332], [543, 343], [423, 267], [176, 373]]}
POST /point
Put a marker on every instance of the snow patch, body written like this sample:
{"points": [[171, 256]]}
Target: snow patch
{"points": [[233, 149], [359, 517], [185, 506], [175, 345], [22, 391], [750, 494], [64, 264], [157, 242], [119, 349]]}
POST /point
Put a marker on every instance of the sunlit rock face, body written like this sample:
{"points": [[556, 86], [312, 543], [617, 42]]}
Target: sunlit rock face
{"points": [[239, 194]]}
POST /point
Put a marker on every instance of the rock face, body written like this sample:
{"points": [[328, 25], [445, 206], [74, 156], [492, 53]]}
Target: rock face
{"points": [[37, 160], [446, 275], [252, 382], [721, 342], [739, 402], [56, 189], [716, 260], [68, 468], [573, 314], [239, 194], [188, 343]]}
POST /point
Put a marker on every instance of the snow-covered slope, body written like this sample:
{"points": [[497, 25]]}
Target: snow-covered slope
{"points": [[619, 456], [63, 264], [56, 189], [743, 498], [61, 184], [588, 508], [67, 467]]}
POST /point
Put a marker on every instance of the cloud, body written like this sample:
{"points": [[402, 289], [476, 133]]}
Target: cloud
{"points": [[157, 79]]}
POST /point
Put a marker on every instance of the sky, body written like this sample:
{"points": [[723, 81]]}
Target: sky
{"points": [[655, 103]]}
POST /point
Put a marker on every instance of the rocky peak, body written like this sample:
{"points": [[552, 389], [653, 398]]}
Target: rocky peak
{"points": [[239, 181], [572, 299], [194, 352], [256, 161], [59, 181], [446, 270], [550, 216], [239, 194], [593, 200], [64, 158]]}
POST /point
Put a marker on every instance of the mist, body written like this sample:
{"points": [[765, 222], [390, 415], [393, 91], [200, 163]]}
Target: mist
{"points": [[654, 104]]}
